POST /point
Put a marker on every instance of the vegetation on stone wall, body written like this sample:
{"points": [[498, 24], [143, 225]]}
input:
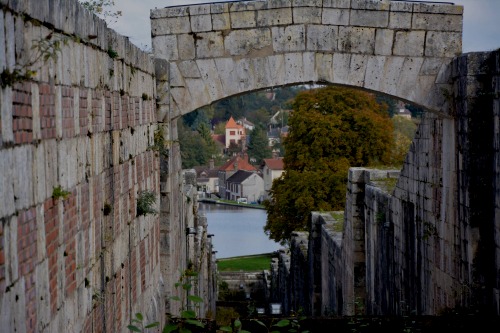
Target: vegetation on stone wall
{"points": [[41, 52], [331, 130], [145, 203], [104, 9]]}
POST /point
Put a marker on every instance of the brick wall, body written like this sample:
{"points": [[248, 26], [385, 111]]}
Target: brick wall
{"points": [[84, 123]]}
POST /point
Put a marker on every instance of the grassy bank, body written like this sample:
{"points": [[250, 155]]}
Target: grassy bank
{"points": [[251, 263]]}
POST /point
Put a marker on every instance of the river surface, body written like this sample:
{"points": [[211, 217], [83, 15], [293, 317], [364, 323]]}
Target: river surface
{"points": [[238, 231]]}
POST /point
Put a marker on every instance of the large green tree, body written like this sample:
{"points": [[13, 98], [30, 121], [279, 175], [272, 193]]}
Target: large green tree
{"points": [[258, 147], [331, 129], [197, 146]]}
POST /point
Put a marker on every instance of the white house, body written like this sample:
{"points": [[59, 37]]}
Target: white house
{"points": [[272, 168], [245, 184], [235, 133]]}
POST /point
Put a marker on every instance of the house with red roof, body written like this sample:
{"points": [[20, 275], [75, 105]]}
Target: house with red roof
{"points": [[236, 163], [235, 133], [272, 168]]}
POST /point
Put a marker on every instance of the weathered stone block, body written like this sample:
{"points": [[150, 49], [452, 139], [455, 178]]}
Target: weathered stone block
{"points": [[324, 67], [397, 6], [375, 71], [263, 75], [369, 18], [165, 47], [382, 5], [293, 68], [322, 38], [437, 22], [243, 68], [435, 8], [383, 41], [219, 8], [6, 130], [278, 3], [201, 23], [189, 69], [443, 44], [221, 21], [42, 292], [172, 25], [169, 12], [281, 16], [210, 77], [277, 67], [186, 45], [393, 68], [337, 3], [306, 15], [23, 176], [7, 205], [356, 40], [288, 39], [356, 175], [245, 19], [242, 42], [409, 43], [226, 69], [357, 69], [209, 45], [335, 16], [400, 20], [203, 9]]}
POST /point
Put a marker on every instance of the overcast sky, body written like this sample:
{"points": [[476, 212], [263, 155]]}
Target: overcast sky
{"points": [[481, 21]]}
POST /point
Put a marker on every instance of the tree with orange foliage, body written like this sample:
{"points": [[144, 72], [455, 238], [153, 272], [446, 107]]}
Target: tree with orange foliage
{"points": [[331, 129]]}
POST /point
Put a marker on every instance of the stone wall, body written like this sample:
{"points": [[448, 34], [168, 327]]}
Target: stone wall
{"points": [[83, 123], [424, 240]]}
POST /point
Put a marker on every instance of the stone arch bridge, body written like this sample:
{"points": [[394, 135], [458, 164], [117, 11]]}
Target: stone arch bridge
{"points": [[217, 50]]}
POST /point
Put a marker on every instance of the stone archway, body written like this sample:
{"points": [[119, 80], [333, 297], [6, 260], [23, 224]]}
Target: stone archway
{"points": [[214, 51]]}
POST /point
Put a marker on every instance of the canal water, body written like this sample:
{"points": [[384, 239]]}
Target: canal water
{"points": [[238, 231]]}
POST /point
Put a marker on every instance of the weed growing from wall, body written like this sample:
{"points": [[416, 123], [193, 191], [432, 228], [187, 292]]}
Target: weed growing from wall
{"points": [[145, 202], [59, 193], [43, 49]]}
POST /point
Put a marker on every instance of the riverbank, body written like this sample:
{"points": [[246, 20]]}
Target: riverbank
{"points": [[230, 203]]}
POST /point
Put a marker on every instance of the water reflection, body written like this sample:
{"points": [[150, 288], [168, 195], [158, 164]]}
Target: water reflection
{"points": [[237, 231]]}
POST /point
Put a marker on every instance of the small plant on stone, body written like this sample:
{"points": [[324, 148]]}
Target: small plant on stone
{"points": [[145, 202], [138, 324], [43, 49], [59, 193], [160, 143], [187, 321]]}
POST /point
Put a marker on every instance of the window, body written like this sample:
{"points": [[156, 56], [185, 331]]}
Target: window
{"points": [[232, 132]]}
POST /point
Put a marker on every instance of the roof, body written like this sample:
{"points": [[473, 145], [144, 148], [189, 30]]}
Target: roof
{"points": [[239, 176], [274, 163], [208, 173], [232, 124], [244, 122], [241, 164]]}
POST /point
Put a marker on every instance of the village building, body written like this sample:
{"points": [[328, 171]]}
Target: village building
{"points": [[244, 185], [235, 133], [272, 168], [229, 168]]}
